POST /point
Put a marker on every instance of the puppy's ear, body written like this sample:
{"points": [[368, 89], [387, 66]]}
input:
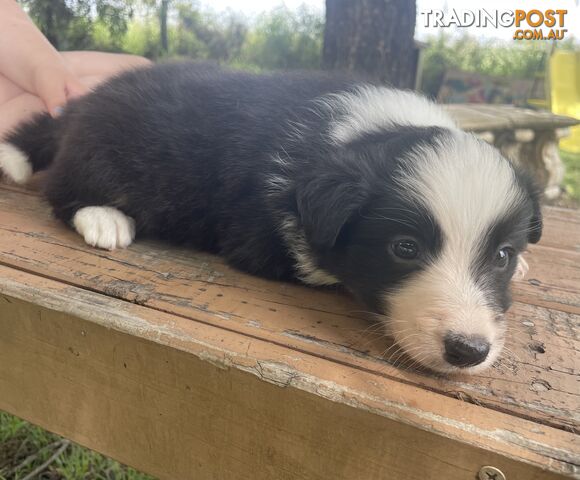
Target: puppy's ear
{"points": [[325, 205]]}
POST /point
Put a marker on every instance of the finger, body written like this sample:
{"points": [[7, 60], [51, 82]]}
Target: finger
{"points": [[74, 88], [53, 94]]}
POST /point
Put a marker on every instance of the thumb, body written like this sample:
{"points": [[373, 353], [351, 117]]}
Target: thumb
{"points": [[53, 94], [74, 88]]}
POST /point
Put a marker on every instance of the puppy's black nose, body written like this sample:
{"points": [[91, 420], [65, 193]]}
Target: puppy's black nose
{"points": [[463, 351]]}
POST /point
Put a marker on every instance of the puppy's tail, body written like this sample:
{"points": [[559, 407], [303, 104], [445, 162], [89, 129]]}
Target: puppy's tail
{"points": [[28, 148]]}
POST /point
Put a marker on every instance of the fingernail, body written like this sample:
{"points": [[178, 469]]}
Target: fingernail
{"points": [[58, 110]]}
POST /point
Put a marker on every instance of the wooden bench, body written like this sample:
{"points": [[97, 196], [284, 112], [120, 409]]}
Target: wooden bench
{"points": [[170, 361], [529, 137]]}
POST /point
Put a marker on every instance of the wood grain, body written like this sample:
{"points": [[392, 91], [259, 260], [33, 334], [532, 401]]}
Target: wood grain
{"points": [[182, 399], [187, 296], [324, 323]]}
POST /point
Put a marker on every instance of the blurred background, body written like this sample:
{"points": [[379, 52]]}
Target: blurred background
{"points": [[264, 35], [386, 40]]}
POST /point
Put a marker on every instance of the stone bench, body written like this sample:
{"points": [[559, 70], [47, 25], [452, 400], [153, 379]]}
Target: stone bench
{"points": [[528, 137]]}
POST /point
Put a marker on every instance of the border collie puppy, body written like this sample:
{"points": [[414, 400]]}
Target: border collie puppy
{"points": [[304, 176]]}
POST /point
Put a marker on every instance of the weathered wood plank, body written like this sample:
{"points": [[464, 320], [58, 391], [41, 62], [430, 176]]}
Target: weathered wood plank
{"points": [[324, 323], [552, 281], [182, 399], [480, 117], [561, 229]]}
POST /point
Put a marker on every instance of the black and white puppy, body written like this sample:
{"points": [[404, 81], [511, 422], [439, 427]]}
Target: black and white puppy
{"points": [[303, 176]]}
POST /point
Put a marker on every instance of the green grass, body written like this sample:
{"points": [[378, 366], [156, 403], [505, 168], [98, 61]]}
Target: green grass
{"points": [[25, 447], [572, 177]]}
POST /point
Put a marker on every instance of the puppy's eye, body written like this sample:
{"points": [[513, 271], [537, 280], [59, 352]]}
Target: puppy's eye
{"points": [[405, 249], [502, 257]]}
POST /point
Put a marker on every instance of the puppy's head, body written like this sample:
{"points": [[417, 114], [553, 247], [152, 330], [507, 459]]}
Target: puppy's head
{"points": [[426, 227]]}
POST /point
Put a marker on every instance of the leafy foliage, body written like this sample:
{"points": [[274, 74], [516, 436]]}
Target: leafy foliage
{"points": [[70, 24], [280, 38], [207, 35], [467, 53], [572, 176], [285, 39], [24, 447]]}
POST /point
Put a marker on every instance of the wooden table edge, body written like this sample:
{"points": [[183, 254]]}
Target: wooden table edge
{"points": [[517, 439]]}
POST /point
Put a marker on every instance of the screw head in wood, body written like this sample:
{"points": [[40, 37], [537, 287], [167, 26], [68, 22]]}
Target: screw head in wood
{"points": [[490, 473]]}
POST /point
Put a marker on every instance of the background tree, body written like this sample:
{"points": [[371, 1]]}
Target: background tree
{"points": [[210, 36], [279, 38], [374, 37], [164, 37], [71, 24], [285, 39]]}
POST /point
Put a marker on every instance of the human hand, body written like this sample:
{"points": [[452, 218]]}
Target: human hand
{"points": [[70, 75], [55, 85]]}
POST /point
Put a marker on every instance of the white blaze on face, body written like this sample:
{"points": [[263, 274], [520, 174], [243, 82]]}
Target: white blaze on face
{"points": [[467, 186]]}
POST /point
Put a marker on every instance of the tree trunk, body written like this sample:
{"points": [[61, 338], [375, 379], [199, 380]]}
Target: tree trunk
{"points": [[374, 37], [163, 25]]}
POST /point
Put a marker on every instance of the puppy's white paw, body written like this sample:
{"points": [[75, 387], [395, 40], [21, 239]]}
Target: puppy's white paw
{"points": [[521, 269], [14, 164], [105, 227]]}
